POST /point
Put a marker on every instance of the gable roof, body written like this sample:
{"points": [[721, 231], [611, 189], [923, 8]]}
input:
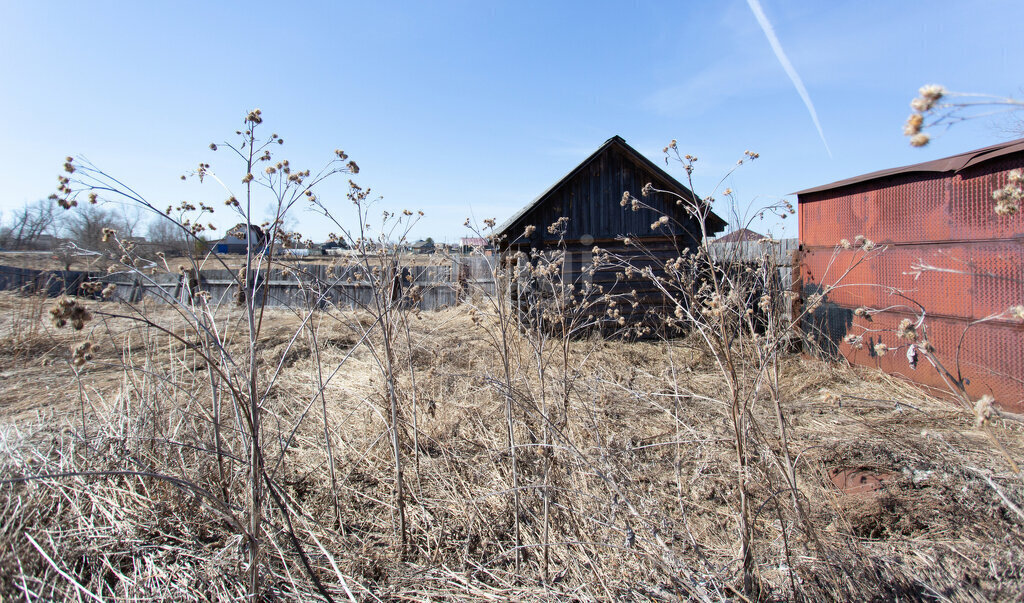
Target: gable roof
{"points": [[715, 223], [954, 164], [236, 235], [739, 236]]}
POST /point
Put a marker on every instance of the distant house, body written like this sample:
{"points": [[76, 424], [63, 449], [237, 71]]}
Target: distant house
{"points": [[47, 242], [468, 244], [590, 198], [738, 246], [235, 240], [333, 247], [743, 235], [422, 247]]}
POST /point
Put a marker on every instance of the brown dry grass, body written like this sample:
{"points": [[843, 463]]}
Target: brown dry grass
{"points": [[644, 479]]}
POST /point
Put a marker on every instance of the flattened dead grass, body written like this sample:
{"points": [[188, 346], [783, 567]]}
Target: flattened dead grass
{"points": [[643, 482]]}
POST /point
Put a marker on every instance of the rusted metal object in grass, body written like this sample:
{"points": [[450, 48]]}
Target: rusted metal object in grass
{"points": [[858, 480]]}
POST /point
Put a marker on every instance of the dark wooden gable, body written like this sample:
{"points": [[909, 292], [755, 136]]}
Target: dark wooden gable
{"points": [[590, 197]]}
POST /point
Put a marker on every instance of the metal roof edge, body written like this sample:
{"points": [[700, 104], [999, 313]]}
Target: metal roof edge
{"points": [[953, 163]]}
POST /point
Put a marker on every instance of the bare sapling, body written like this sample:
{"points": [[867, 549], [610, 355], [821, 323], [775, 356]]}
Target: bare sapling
{"points": [[732, 299], [237, 374], [377, 263]]}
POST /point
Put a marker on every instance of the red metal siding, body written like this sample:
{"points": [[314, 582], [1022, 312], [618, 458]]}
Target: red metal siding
{"points": [[947, 251], [991, 357], [983, 278]]}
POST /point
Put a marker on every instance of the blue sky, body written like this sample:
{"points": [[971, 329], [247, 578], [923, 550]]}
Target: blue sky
{"points": [[473, 108]]}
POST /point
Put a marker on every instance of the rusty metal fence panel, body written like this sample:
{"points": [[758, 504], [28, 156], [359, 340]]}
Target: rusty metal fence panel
{"points": [[947, 254]]}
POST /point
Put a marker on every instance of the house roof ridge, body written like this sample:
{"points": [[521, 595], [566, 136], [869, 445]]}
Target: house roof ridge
{"points": [[614, 140]]}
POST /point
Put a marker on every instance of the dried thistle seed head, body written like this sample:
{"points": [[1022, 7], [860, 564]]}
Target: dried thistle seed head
{"points": [[932, 91], [558, 225], [67, 310], [1008, 198], [91, 286], [880, 349], [906, 330], [913, 125], [81, 353], [983, 411], [920, 139], [814, 301]]}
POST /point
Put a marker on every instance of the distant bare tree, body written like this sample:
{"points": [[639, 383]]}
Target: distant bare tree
{"points": [[67, 254], [27, 225], [86, 227], [164, 235]]}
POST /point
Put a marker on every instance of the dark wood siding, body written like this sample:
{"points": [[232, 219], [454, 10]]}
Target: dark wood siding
{"points": [[637, 298], [591, 198]]}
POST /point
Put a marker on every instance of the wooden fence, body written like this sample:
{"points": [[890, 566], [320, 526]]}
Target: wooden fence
{"points": [[441, 286]]}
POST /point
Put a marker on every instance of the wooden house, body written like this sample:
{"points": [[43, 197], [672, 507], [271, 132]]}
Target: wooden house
{"points": [[235, 240], [590, 198], [422, 247]]}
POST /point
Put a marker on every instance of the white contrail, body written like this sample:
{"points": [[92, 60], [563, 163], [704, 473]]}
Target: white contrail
{"points": [[769, 33]]}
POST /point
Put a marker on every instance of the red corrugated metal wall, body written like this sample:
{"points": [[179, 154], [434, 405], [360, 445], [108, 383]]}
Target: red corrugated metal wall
{"points": [[947, 251]]}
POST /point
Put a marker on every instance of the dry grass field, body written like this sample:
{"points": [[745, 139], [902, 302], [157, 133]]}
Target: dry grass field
{"points": [[640, 480]]}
